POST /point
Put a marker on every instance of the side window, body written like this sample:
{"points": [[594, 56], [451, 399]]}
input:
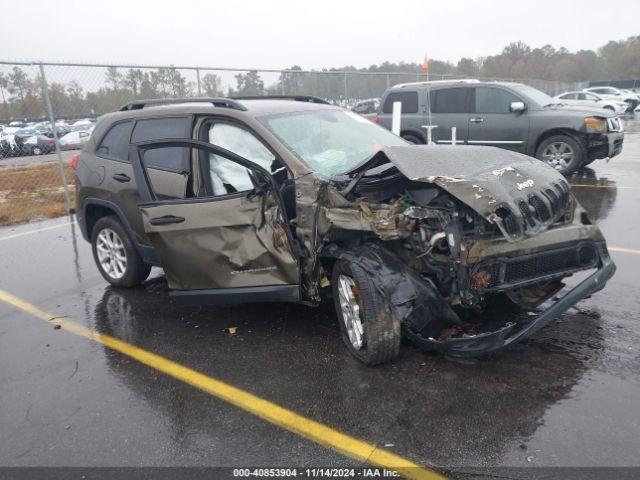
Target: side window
{"points": [[450, 100], [115, 143], [494, 100], [409, 102], [175, 159], [570, 96], [590, 96], [227, 176]]}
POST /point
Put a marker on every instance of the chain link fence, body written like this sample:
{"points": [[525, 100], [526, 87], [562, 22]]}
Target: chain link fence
{"points": [[35, 157]]}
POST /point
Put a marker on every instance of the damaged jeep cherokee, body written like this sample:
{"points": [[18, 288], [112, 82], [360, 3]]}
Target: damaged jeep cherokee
{"points": [[462, 250]]}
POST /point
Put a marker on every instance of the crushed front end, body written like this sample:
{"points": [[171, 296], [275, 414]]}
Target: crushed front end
{"points": [[471, 259]]}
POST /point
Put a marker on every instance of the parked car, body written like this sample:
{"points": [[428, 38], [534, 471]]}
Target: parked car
{"points": [[364, 107], [273, 199], [5, 148], [23, 134], [588, 99], [73, 140], [37, 145], [507, 115], [613, 93]]}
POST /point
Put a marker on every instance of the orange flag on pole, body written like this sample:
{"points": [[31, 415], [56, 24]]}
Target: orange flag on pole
{"points": [[425, 64]]}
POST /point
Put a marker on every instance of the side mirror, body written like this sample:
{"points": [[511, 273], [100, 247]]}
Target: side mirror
{"points": [[517, 107]]}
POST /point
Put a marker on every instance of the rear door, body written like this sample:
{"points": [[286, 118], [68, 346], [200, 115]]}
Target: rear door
{"points": [[230, 244], [412, 118], [449, 107], [493, 123]]}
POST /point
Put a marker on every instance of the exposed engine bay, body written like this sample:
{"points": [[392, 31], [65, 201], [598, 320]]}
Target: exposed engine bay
{"points": [[446, 249]]}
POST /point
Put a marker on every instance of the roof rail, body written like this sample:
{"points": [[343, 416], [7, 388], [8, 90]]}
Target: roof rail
{"points": [[216, 101], [436, 82], [297, 98]]}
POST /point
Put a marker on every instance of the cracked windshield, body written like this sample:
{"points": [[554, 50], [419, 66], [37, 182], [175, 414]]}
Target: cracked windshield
{"points": [[330, 142]]}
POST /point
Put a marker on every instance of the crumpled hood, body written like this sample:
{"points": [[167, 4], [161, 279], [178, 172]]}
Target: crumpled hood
{"points": [[484, 178]]}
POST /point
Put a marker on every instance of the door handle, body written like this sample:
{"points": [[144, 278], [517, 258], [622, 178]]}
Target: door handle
{"points": [[166, 220], [477, 120], [121, 177]]}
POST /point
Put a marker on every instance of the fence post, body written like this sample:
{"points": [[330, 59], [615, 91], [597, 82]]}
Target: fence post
{"points": [[346, 91], [198, 77], [52, 120]]}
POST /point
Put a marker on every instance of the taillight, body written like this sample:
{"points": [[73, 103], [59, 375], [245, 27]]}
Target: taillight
{"points": [[375, 119], [48, 142], [74, 161]]}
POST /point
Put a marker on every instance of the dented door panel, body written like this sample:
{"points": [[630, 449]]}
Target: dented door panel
{"points": [[237, 242]]}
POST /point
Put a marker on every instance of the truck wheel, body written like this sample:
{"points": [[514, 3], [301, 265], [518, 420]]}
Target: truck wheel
{"points": [[413, 139], [371, 333], [561, 152], [115, 255]]}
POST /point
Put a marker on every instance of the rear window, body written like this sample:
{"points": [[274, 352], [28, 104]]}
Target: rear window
{"points": [[115, 143], [409, 102], [174, 159], [494, 100], [450, 100]]}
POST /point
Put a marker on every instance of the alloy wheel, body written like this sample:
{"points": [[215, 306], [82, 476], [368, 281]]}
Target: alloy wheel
{"points": [[350, 310], [558, 155], [111, 253]]}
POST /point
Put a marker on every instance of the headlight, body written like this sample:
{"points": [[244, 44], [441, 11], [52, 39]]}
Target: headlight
{"points": [[595, 125]]}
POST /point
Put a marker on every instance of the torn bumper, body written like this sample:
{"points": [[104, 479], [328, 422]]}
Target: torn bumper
{"points": [[513, 332]]}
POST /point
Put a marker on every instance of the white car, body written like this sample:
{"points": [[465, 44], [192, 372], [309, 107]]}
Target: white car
{"points": [[613, 93], [588, 99], [73, 140]]}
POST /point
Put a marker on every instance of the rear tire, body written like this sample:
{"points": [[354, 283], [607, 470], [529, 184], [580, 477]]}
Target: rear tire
{"points": [[413, 139], [115, 255], [561, 152], [379, 331]]}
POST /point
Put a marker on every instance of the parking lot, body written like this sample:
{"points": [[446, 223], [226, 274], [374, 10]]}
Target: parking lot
{"points": [[268, 386]]}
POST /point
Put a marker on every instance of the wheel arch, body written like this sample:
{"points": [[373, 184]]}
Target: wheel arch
{"points": [[414, 132], [557, 131], [94, 209]]}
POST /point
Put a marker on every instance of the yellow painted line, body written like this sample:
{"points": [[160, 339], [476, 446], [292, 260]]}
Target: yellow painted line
{"points": [[586, 185], [623, 250], [317, 432], [31, 232]]}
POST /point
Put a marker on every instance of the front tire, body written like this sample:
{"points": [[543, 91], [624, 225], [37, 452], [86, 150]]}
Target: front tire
{"points": [[115, 255], [561, 152], [370, 332]]}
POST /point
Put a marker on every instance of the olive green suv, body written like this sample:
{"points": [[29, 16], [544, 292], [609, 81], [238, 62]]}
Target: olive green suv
{"points": [[459, 249]]}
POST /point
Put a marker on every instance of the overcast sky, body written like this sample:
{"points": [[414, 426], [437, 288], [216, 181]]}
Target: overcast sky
{"points": [[313, 34]]}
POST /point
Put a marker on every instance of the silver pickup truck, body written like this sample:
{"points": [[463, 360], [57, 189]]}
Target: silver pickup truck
{"points": [[506, 115]]}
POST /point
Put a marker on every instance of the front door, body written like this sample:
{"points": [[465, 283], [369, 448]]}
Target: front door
{"points": [[493, 123], [225, 247]]}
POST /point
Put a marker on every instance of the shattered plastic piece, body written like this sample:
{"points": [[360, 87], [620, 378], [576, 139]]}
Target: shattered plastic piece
{"points": [[500, 171], [231, 330], [57, 326]]}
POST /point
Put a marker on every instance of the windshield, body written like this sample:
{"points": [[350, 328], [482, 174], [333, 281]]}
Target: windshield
{"points": [[330, 141], [535, 95]]}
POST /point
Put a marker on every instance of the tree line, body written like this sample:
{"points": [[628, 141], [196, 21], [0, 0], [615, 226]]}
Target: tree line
{"points": [[21, 95]]}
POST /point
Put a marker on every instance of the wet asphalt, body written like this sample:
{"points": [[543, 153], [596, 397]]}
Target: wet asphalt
{"points": [[570, 396]]}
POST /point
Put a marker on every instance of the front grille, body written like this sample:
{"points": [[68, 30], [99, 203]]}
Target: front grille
{"points": [[510, 272], [537, 209], [614, 124], [540, 207]]}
